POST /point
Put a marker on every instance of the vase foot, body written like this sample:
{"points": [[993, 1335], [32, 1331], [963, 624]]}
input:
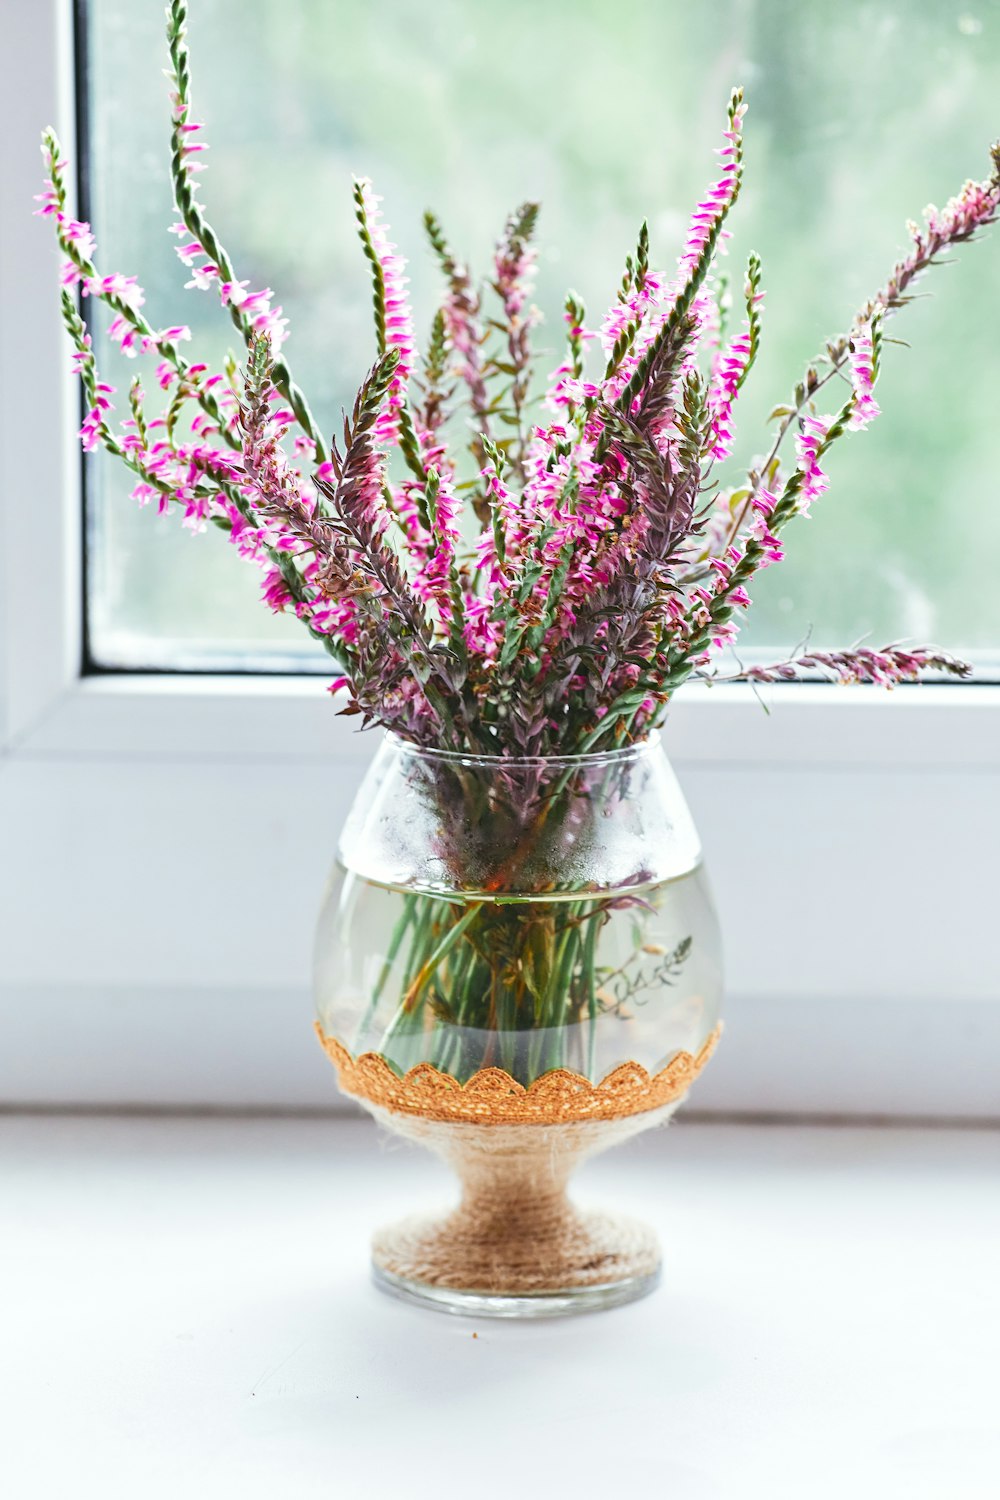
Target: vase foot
{"points": [[516, 1246], [475, 1304], [543, 1259]]}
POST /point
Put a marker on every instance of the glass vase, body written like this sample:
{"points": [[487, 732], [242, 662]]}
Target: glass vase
{"points": [[518, 965]]}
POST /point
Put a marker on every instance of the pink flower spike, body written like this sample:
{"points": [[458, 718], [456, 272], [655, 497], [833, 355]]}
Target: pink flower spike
{"points": [[807, 446], [124, 289], [395, 308], [722, 394], [81, 357], [202, 277], [764, 501], [79, 234], [89, 434], [709, 214], [50, 204], [233, 292], [189, 253], [865, 408]]}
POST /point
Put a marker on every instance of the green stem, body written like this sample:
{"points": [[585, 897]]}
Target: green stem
{"points": [[553, 1008], [439, 954], [587, 965], [406, 917], [449, 1033]]}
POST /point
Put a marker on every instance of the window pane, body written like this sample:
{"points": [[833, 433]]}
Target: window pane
{"points": [[608, 111]]}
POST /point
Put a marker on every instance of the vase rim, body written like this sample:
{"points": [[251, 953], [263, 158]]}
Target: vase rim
{"points": [[590, 758]]}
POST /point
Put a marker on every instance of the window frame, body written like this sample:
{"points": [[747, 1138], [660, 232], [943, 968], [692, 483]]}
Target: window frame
{"points": [[820, 744]]}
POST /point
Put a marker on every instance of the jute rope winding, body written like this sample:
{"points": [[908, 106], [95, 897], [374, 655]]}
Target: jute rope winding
{"points": [[492, 1097], [515, 1232]]}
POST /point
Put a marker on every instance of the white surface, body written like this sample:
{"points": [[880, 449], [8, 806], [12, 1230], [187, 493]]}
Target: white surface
{"points": [[186, 1311]]}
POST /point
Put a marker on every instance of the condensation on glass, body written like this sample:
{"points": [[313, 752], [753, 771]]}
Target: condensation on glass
{"points": [[525, 915]]}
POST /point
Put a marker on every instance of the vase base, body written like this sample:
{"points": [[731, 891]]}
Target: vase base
{"points": [[474, 1304], [537, 1257], [516, 1246]]}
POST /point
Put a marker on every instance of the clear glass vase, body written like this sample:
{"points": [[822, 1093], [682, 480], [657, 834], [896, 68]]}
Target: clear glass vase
{"points": [[518, 964]]}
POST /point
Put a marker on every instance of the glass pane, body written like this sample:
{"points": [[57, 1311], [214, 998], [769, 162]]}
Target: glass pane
{"points": [[608, 111]]}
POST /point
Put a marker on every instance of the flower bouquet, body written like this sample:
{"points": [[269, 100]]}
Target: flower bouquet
{"points": [[518, 960]]}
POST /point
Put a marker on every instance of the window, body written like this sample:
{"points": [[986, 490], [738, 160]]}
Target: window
{"points": [[858, 114], [164, 837]]}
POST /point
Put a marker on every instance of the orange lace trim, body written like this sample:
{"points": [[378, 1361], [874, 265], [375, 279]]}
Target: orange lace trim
{"points": [[493, 1097]]}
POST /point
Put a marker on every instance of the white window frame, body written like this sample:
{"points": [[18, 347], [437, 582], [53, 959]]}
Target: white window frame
{"points": [[157, 891]]}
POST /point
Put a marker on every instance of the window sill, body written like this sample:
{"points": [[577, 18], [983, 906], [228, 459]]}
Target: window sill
{"points": [[218, 1332], [814, 725]]}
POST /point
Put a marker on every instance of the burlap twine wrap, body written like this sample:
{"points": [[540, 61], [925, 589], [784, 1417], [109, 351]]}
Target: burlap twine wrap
{"points": [[513, 1149], [515, 1231]]}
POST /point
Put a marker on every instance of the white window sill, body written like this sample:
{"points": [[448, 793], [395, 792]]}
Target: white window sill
{"points": [[814, 725], [189, 1311]]}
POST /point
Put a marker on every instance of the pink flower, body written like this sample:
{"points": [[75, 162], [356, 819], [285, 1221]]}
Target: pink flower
{"points": [[807, 447], [191, 250], [480, 632], [887, 667], [75, 233], [127, 337], [864, 408], [729, 373], [773, 551], [89, 433], [274, 590], [974, 205], [722, 394], [82, 357], [507, 507], [202, 277], [398, 332], [50, 199], [641, 310], [513, 264], [256, 308], [121, 288], [716, 202], [432, 580]]}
